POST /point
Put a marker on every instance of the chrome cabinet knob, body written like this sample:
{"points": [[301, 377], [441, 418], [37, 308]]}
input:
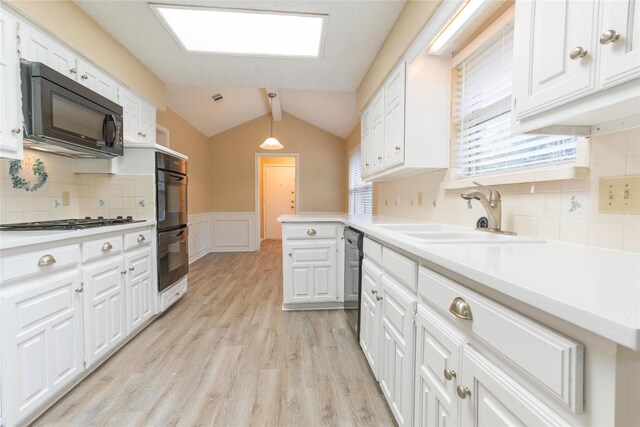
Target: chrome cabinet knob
{"points": [[578, 52], [131, 268], [139, 133], [84, 77], [379, 157], [366, 164], [80, 289], [144, 135], [141, 238], [463, 392], [397, 148], [378, 298], [46, 260], [373, 292], [449, 374], [106, 247], [311, 232], [609, 36], [290, 253], [73, 70], [123, 272], [15, 130], [461, 309]]}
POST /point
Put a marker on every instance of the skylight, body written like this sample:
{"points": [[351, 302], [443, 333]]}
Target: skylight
{"points": [[243, 32]]}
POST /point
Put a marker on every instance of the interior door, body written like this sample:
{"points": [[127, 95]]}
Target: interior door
{"points": [[279, 197]]}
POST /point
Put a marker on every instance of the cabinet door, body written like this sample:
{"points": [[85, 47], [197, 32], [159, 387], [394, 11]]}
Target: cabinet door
{"points": [[131, 115], [97, 81], [544, 74], [619, 59], [10, 108], [394, 90], [377, 133], [437, 349], [41, 341], [104, 307], [370, 314], [40, 47], [396, 350], [147, 123], [494, 399], [139, 288], [365, 143], [310, 272]]}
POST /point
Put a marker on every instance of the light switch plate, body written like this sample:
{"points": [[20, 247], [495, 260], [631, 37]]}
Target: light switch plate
{"points": [[66, 198], [619, 195], [419, 198]]}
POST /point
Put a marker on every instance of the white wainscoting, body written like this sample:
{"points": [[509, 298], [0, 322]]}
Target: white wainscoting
{"points": [[233, 231], [199, 236]]}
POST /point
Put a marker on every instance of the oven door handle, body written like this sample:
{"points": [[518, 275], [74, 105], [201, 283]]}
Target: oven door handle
{"points": [[177, 177], [180, 233]]}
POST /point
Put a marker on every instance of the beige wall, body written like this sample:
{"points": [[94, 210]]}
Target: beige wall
{"points": [[269, 161], [412, 19], [188, 140], [322, 165], [77, 29]]}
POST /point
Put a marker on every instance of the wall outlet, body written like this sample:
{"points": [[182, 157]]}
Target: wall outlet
{"points": [[619, 195], [66, 198], [420, 199]]}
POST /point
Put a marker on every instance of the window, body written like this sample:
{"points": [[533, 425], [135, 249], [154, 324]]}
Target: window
{"points": [[482, 114], [360, 192]]}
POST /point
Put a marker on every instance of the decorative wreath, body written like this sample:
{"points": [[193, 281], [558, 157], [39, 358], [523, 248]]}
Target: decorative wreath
{"points": [[15, 167]]}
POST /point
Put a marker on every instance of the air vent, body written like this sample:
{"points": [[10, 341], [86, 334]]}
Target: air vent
{"points": [[217, 98]]}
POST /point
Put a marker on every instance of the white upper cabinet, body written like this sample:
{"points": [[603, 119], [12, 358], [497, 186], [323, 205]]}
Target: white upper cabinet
{"points": [[576, 66], [560, 50], [10, 107], [139, 118], [91, 77], [620, 42], [365, 145], [394, 117], [40, 47], [376, 141]]}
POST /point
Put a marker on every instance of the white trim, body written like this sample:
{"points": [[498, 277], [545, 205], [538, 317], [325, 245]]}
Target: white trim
{"points": [[518, 177], [256, 186], [233, 232], [199, 236]]}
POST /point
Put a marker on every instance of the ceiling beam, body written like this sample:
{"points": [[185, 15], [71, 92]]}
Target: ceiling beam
{"points": [[276, 109]]}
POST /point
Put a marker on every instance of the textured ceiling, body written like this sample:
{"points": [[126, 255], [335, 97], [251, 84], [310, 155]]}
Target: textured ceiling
{"points": [[355, 31], [334, 112]]}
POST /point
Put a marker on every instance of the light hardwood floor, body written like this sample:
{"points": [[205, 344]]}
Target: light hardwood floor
{"points": [[226, 354]]}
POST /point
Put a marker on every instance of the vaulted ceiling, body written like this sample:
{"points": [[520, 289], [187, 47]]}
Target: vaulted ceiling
{"points": [[320, 91]]}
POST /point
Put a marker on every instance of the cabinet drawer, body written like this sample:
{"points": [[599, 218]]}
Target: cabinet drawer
{"points": [[372, 250], [550, 358], [311, 231], [137, 239], [101, 248], [401, 267], [173, 294], [15, 266], [370, 278]]}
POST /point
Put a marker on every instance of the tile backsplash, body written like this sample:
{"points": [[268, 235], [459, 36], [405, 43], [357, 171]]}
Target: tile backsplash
{"points": [[90, 194], [555, 210]]}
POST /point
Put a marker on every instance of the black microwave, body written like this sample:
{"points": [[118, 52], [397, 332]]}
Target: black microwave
{"points": [[63, 117]]}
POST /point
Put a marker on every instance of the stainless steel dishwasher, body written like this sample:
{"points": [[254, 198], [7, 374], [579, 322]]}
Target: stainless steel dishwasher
{"points": [[353, 277]]}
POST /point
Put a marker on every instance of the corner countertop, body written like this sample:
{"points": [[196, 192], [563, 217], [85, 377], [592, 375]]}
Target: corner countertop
{"points": [[597, 289], [18, 239]]}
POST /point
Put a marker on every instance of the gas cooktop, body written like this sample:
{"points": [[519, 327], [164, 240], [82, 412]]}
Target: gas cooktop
{"points": [[68, 224]]}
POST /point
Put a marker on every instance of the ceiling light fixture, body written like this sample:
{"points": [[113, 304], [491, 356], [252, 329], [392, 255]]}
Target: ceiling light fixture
{"points": [[271, 143], [470, 10], [243, 32]]}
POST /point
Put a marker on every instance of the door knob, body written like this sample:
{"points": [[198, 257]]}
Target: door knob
{"points": [[578, 52], [609, 36]]}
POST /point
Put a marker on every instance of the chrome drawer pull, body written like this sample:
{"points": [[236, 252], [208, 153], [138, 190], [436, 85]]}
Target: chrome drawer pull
{"points": [[131, 268], [106, 247], [80, 289], [463, 392], [46, 260], [460, 308], [311, 232], [373, 292], [378, 298], [449, 374], [141, 238]]}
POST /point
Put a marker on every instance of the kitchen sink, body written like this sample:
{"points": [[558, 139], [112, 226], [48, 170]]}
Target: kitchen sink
{"points": [[419, 228], [442, 233]]}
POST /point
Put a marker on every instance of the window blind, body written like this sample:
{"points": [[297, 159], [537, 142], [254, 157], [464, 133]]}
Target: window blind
{"points": [[360, 192], [482, 114]]}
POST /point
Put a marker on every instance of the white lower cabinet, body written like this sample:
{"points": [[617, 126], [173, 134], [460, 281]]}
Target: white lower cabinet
{"points": [[370, 314], [104, 307], [42, 341], [139, 288]]}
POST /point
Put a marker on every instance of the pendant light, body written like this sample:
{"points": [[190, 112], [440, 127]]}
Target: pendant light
{"points": [[271, 143]]}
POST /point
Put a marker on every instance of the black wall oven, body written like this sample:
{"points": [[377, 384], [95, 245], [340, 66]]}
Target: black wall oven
{"points": [[66, 118], [173, 233]]}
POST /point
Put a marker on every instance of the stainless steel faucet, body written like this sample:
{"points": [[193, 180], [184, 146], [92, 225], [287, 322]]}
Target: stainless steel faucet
{"points": [[493, 206]]}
